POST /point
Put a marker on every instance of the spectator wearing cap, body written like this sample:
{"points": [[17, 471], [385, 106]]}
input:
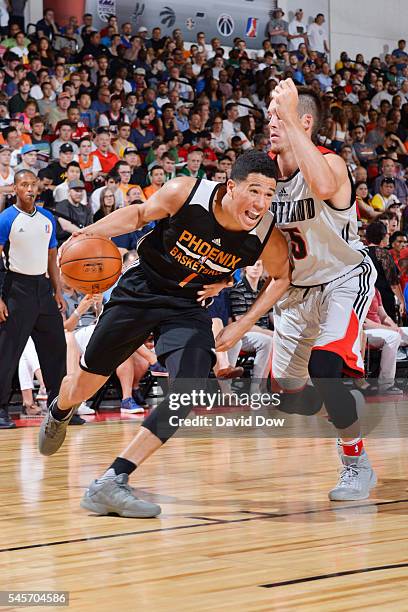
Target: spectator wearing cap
{"points": [[181, 116], [277, 28], [157, 179], [73, 173], [141, 136], [104, 152], [58, 169], [297, 31], [59, 113], [386, 196], [138, 173], [72, 214], [6, 175], [28, 159], [18, 101], [31, 302], [64, 137], [317, 35]]}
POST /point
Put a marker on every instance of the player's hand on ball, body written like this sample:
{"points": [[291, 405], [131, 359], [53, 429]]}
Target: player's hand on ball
{"points": [[209, 291], [285, 98], [229, 336]]}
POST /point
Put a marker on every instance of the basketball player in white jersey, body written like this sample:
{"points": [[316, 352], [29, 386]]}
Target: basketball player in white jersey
{"points": [[318, 321]]}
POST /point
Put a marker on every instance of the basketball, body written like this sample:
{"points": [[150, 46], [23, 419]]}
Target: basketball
{"points": [[90, 264]]}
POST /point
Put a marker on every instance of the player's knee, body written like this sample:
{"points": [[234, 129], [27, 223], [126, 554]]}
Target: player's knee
{"points": [[325, 364], [306, 402]]}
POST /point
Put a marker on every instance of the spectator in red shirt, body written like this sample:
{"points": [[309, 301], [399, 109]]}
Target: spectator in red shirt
{"points": [[104, 151]]}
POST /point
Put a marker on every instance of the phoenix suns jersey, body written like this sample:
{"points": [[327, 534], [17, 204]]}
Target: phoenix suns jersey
{"points": [[191, 249], [324, 240]]}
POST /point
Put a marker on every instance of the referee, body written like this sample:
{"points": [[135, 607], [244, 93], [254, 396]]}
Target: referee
{"points": [[30, 303]]}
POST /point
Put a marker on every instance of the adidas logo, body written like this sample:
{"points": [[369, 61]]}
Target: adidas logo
{"points": [[20, 230], [217, 241], [283, 192]]}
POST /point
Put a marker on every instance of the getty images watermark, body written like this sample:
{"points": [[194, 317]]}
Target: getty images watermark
{"points": [[218, 401]]}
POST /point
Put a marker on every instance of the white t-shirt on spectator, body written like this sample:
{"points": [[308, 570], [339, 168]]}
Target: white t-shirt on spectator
{"points": [[317, 35], [293, 29], [61, 192]]}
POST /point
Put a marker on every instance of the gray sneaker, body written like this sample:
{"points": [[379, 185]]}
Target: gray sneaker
{"points": [[52, 432], [114, 495], [356, 479]]}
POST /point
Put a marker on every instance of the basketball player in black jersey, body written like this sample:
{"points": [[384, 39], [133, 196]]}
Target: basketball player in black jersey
{"points": [[206, 231]]}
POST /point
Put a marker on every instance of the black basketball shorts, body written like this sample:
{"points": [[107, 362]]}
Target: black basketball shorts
{"points": [[134, 312]]}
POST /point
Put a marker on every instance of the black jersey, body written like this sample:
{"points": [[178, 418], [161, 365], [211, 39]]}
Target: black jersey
{"points": [[191, 249]]}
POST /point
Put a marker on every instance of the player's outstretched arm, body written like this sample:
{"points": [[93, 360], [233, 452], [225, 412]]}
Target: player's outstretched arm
{"points": [[164, 203], [326, 175], [275, 258]]}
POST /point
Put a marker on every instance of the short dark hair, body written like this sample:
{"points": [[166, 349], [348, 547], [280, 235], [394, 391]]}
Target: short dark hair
{"points": [[73, 164], [19, 173], [310, 103], [396, 235], [254, 162], [376, 232]]}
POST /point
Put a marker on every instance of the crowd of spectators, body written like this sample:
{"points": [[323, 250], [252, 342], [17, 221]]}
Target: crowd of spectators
{"points": [[104, 118]]}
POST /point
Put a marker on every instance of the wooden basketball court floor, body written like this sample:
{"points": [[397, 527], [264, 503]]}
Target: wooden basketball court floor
{"points": [[246, 525]]}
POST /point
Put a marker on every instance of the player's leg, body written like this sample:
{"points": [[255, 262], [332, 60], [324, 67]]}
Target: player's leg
{"points": [[295, 330], [120, 331], [343, 308], [110, 492], [186, 346]]}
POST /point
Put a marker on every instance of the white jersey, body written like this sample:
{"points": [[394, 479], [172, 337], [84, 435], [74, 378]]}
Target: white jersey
{"points": [[325, 241]]}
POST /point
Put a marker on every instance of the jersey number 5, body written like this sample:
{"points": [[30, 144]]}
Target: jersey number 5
{"points": [[299, 250]]}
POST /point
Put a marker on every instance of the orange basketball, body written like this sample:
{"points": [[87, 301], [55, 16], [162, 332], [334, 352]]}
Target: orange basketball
{"points": [[90, 264]]}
